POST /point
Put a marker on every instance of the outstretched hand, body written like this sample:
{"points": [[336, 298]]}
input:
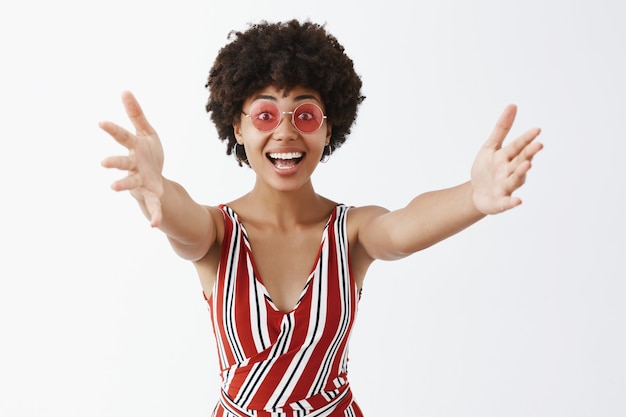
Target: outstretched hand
{"points": [[144, 162], [499, 171]]}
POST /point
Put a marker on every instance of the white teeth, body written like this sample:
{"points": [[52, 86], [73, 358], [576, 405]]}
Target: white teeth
{"points": [[289, 155]]}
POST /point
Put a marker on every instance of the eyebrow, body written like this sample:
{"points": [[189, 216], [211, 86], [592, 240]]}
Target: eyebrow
{"points": [[297, 98]]}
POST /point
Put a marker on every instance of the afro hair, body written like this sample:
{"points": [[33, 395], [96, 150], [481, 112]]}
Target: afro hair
{"points": [[284, 55]]}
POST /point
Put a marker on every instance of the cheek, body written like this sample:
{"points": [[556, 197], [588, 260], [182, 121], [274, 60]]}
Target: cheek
{"points": [[254, 144], [318, 145]]}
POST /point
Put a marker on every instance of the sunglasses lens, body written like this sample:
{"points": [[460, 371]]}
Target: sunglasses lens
{"points": [[265, 116], [308, 117]]}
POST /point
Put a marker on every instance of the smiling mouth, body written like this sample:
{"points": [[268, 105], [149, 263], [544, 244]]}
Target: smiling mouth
{"points": [[285, 160]]}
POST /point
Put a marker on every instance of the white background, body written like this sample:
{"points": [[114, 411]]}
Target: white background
{"points": [[520, 315]]}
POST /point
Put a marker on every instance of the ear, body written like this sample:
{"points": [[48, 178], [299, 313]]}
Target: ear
{"points": [[238, 133], [329, 133]]}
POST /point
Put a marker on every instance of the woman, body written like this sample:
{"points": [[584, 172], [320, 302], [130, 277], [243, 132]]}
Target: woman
{"points": [[282, 267]]}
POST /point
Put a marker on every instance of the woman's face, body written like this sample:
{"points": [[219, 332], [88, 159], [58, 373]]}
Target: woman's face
{"points": [[287, 154]]}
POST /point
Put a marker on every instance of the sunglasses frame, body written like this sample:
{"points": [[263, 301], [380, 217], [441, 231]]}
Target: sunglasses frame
{"points": [[282, 113]]}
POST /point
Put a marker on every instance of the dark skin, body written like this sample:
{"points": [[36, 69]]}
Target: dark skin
{"points": [[285, 217]]}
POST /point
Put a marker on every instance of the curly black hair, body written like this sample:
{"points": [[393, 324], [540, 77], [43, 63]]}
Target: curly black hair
{"points": [[284, 55]]}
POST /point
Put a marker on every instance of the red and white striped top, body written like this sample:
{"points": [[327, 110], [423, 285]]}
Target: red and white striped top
{"points": [[277, 364]]}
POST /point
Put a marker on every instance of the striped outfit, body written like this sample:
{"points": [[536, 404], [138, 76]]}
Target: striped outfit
{"points": [[277, 364]]}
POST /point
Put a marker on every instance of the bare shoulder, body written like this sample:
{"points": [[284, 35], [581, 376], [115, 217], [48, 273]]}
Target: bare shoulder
{"points": [[217, 217], [208, 264], [213, 234], [359, 217]]}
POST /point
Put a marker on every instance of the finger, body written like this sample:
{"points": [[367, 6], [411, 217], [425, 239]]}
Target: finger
{"points": [[520, 146], [121, 135], [526, 155], [532, 149], [517, 177], [507, 203], [128, 183], [124, 163], [135, 113], [502, 128]]}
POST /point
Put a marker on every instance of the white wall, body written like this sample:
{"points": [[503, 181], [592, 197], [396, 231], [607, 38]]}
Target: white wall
{"points": [[521, 315]]}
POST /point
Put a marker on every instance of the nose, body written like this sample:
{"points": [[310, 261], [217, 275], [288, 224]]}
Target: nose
{"points": [[285, 129]]}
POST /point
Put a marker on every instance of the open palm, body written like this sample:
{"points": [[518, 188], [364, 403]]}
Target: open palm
{"points": [[499, 171], [144, 162]]}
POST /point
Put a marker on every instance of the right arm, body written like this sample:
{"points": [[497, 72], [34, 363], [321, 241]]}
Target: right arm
{"points": [[188, 225]]}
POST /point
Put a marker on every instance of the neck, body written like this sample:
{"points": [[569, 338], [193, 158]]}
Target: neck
{"points": [[285, 208]]}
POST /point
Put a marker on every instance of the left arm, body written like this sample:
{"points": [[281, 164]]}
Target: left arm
{"points": [[496, 174]]}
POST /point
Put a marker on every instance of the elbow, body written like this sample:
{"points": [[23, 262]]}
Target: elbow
{"points": [[189, 252], [398, 249]]}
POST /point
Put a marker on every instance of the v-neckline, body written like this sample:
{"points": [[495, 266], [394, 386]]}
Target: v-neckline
{"points": [[257, 276]]}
